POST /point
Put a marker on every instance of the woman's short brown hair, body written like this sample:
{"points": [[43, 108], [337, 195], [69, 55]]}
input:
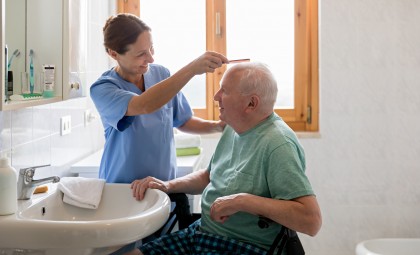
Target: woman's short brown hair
{"points": [[122, 30]]}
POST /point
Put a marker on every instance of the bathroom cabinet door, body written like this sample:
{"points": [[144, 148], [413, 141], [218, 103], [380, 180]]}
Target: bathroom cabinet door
{"points": [[42, 26]]}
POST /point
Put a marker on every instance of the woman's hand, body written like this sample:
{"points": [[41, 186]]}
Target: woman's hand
{"points": [[221, 125], [208, 62], [139, 187]]}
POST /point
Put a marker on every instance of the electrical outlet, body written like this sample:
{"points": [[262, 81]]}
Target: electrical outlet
{"points": [[65, 124]]}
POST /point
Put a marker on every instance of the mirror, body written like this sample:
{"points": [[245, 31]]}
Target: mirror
{"points": [[15, 28]]}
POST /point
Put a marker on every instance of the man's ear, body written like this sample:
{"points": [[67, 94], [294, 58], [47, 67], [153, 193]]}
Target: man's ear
{"points": [[253, 102]]}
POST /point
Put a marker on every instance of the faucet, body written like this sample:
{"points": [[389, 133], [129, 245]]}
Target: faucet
{"points": [[26, 184]]}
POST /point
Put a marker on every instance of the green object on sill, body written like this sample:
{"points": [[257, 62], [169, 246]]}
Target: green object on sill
{"points": [[188, 151], [31, 95]]}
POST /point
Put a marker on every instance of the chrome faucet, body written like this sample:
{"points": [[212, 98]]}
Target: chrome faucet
{"points": [[26, 184]]}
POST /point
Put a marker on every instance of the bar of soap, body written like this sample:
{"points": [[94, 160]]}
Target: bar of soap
{"points": [[41, 189]]}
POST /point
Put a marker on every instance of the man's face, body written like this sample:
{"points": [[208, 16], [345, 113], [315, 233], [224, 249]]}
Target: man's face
{"points": [[232, 103]]}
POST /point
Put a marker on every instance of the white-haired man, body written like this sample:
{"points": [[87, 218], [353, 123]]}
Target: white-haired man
{"points": [[257, 170]]}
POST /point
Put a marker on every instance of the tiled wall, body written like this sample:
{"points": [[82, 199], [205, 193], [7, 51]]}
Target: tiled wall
{"points": [[365, 168], [32, 136]]}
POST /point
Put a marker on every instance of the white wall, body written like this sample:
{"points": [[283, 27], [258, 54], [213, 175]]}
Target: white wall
{"points": [[365, 168]]}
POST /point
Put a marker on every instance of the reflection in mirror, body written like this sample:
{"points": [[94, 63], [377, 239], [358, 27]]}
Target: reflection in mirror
{"points": [[15, 40], [44, 36]]}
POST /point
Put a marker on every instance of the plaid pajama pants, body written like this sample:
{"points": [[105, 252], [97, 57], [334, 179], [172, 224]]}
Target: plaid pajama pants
{"points": [[192, 241]]}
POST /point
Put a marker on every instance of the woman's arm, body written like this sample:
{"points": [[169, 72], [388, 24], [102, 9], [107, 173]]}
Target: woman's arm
{"points": [[158, 95], [197, 125]]}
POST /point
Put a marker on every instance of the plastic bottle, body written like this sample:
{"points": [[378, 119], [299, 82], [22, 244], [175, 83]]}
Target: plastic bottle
{"points": [[8, 188], [9, 91], [49, 80]]}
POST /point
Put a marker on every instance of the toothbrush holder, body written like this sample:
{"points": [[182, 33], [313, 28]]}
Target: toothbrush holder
{"points": [[38, 83]]}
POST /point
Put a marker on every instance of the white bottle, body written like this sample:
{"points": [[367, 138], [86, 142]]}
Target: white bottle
{"points": [[8, 188]]}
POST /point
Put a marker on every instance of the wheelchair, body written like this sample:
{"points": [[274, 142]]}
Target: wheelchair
{"points": [[287, 239], [180, 214]]}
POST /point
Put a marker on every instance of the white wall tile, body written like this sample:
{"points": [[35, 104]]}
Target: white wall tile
{"points": [[5, 132]]}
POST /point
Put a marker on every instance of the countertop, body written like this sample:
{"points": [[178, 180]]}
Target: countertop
{"points": [[90, 164]]}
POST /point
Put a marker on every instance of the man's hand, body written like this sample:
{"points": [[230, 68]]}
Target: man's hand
{"points": [[139, 187], [223, 207]]}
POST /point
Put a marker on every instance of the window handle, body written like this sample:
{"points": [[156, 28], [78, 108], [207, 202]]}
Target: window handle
{"points": [[218, 23]]}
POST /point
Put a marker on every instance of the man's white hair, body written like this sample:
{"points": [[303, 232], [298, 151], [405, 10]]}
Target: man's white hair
{"points": [[256, 78]]}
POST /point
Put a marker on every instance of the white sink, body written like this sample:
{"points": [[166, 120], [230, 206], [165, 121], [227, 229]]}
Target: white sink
{"points": [[46, 224], [389, 246]]}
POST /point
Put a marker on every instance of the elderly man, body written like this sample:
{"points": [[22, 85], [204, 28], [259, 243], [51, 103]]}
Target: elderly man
{"points": [[257, 170]]}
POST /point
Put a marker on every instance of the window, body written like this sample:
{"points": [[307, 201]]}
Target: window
{"points": [[282, 34]]}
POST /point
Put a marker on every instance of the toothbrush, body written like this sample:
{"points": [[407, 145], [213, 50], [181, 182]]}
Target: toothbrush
{"points": [[16, 54], [31, 71]]}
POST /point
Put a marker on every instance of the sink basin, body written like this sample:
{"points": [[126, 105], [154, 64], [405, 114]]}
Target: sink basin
{"points": [[389, 246], [45, 223]]}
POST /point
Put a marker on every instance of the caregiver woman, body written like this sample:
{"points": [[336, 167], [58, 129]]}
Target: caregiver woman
{"points": [[140, 103]]}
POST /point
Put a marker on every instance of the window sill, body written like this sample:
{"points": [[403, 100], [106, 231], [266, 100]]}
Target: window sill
{"points": [[300, 135], [305, 135]]}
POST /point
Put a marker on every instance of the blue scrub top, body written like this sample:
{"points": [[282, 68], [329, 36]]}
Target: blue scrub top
{"points": [[142, 145]]}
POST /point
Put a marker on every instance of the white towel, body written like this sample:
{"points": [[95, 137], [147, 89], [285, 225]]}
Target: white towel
{"points": [[82, 192], [183, 140]]}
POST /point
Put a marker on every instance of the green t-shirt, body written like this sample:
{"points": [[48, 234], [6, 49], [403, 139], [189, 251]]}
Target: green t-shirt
{"points": [[266, 161]]}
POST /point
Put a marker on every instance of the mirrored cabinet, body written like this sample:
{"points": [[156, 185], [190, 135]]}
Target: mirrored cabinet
{"points": [[39, 63]]}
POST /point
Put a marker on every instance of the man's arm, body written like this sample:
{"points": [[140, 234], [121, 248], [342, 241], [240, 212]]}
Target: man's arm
{"points": [[301, 214], [193, 183]]}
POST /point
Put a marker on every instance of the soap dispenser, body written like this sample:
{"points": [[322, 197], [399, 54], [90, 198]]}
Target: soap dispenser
{"points": [[8, 187]]}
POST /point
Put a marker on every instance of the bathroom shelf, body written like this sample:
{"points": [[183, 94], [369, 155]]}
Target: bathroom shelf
{"points": [[14, 105]]}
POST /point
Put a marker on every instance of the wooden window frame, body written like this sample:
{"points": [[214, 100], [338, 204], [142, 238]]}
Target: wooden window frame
{"points": [[305, 115], [129, 6]]}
